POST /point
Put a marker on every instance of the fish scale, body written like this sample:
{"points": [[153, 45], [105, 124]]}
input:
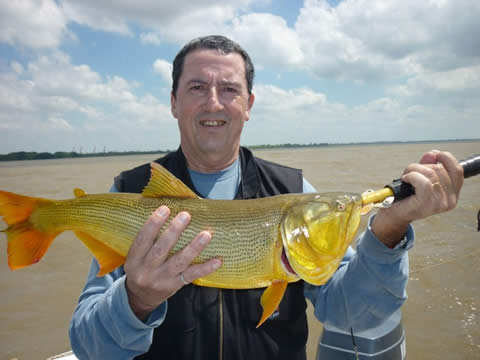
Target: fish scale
{"points": [[245, 233]]}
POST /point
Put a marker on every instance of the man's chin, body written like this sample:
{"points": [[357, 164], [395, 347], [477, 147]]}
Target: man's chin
{"points": [[211, 146]]}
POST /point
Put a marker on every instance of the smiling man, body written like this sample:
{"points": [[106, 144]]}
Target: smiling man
{"points": [[148, 308], [212, 102]]}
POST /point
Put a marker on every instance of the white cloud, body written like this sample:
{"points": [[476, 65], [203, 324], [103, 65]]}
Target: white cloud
{"points": [[459, 80], [358, 39], [97, 15], [163, 17], [164, 69], [32, 23], [420, 49], [305, 116], [150, 38], [363, 39], [55, 99], [277, 44], [270, 97], [16, 67], [58, 123]]}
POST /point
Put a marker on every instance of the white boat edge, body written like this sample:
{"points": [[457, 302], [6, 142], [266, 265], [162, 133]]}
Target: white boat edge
{"points": [[64, 356]]}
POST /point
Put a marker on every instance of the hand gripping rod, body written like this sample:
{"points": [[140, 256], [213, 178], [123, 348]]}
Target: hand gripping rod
{"points": [[401, 190]]}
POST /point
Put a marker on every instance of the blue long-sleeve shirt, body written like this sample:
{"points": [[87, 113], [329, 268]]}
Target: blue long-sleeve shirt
{"points": [[369, 285]]}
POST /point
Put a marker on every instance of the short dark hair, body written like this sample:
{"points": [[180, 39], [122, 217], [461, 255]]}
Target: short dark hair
{"points": [[212, 42]]}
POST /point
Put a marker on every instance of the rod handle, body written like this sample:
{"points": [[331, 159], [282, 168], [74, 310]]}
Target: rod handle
{"points": [[471, 166], [402, 190]]}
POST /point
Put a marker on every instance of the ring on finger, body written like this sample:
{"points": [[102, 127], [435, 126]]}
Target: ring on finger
{"points": [[437, 185], [183, 279]]}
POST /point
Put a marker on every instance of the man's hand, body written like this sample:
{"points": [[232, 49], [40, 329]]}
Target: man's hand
{"points": [[151, 277], [437, 180]]}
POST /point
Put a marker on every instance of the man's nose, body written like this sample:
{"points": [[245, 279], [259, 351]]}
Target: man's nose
{"points": [[213, 100]]}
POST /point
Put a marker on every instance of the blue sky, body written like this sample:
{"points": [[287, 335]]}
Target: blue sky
{"points": [[95, 74]]}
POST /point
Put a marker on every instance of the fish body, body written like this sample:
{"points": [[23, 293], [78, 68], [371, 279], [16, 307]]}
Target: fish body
{"points": [[265, 242]]}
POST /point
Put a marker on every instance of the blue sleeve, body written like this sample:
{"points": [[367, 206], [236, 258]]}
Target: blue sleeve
{"points": [[369, 285], [103, 325], [307, 187]]}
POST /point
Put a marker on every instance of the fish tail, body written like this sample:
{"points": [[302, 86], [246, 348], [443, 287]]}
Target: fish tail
{"points": [[26, 243]]}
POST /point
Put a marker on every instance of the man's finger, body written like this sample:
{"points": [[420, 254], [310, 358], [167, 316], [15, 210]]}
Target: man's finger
{"points": [[180, 261], [453, 168], [429, 157], [145, 238], [166, 240], [196, 271]]}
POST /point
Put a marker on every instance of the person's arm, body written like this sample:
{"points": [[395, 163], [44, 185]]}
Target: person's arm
{"points": [[117, 313], [369, 285], [103, 325], [437, 179]]}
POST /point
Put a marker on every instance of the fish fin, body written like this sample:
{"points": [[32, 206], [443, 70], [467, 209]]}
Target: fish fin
{"points": [[107, 258], [164, 183], [26, 244], [271, 299], [79, 193], [17, 208]]}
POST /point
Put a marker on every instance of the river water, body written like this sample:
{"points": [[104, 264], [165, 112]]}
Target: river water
{"points": [[441, 315]]}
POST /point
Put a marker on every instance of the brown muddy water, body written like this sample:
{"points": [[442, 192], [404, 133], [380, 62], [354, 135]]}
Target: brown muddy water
{"points": [[441, 315]]}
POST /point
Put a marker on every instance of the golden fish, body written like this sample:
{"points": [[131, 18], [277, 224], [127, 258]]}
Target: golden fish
{"points": [[265, 242]]}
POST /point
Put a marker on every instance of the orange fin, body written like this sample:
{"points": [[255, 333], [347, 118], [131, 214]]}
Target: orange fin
{"points": [[164, 183], [271, 299], [17, 208], [107, 258], [26, 244]]}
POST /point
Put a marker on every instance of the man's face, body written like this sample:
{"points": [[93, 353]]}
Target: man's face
{"points": [[212, 102]]}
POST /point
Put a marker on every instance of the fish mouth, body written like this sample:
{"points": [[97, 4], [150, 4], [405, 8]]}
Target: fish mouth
{"points": [[286, 263]]}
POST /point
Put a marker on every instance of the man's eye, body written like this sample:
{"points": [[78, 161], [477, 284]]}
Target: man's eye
{"points": [[230, 90], [196, 87]]}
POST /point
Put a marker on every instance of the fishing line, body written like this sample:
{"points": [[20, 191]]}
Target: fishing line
{"points": [[355, 347], [454, 260], [478, 219]]}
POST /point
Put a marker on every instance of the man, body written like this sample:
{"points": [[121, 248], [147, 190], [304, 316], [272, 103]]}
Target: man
{"points": [[149, 307]]}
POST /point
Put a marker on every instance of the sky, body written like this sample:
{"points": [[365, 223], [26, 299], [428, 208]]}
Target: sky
{"points": [[95, 75]]}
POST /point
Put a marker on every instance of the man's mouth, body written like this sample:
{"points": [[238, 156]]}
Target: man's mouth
{"points": [[212, 123]]}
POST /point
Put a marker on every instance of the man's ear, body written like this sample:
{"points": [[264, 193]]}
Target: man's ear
{"points": [[173, 105], [251, 100]]}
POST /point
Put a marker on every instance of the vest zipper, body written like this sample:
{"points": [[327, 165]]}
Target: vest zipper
{"points": [[220, 310]]}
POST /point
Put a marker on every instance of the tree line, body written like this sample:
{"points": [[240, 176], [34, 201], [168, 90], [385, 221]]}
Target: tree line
{"points": [[32, 155]]}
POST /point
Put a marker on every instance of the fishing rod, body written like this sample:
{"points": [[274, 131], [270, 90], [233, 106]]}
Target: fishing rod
{"points": [[399, 189]]}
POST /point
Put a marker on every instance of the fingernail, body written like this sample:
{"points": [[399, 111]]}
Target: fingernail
{"points": [[216, 263], [204, 237], [162, 211], [184, 217]]}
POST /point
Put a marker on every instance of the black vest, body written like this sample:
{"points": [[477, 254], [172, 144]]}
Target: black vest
{"points": [[208, 323]]}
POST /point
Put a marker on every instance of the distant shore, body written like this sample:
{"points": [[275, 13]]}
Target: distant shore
{"points": [[32, 155]]}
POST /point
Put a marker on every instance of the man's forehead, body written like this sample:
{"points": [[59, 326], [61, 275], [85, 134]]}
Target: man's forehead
{"points": [[206, 61]]}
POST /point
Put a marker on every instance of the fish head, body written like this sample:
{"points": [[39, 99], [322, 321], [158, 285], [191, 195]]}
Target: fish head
{"points": [[316, 231]]}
